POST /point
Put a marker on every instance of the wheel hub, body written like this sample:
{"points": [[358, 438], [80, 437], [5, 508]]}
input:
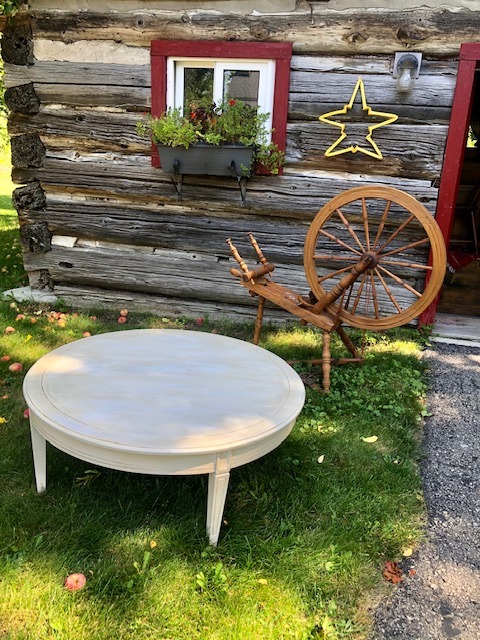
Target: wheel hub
{"points": [[372, 257]]}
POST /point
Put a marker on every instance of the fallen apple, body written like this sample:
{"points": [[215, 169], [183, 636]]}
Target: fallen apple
{"points": [[75, 582], [15, 367]]}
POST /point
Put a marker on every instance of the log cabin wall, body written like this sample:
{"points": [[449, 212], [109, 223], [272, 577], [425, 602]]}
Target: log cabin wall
{"points": [[100, 225]]}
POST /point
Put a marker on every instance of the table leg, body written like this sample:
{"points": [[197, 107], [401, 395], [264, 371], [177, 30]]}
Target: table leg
{"points": [[217, 492], [39, 449]]}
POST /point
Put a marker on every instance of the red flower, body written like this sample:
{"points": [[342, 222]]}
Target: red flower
{"points": [[232, 103], [193, 115]]}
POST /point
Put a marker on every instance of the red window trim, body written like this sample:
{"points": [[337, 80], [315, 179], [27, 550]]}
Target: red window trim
{"points": [[278, 51], [454, 152]]}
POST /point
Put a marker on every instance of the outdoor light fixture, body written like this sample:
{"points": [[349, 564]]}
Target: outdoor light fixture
{"points": [[406, 68]]}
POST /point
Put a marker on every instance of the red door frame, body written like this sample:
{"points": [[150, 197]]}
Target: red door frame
{"points": [[455, 151]]}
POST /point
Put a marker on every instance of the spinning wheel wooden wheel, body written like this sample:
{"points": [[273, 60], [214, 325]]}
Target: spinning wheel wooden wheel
{"points": [[365, 259], [396, 231]]}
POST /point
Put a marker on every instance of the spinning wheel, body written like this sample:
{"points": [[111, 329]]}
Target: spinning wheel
{"points": [[365, 260], [392, 228]]}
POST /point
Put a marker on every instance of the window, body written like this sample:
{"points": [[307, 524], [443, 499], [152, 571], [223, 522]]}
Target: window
{"points": [[185, 71], [192, 79]]}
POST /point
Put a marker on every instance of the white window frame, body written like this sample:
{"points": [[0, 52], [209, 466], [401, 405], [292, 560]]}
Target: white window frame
{"points": [[266, 85]]}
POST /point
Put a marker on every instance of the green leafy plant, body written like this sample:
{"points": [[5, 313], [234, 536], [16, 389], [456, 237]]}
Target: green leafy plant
{"points": [[10, 7], [213, 581], [231, 122]]}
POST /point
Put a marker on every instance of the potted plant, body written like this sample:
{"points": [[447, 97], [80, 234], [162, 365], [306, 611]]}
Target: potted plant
{"points": [[225, 139]]}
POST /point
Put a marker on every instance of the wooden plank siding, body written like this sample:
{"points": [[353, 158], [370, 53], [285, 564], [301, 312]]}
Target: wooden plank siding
{"points": [[120, 236]]}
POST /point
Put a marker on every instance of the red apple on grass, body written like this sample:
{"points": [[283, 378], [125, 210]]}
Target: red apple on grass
{"points": [[75, 582]]}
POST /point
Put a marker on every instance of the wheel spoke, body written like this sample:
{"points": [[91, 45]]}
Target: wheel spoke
{"points": [[410, 265], [400, 281], [382, 224], [374, 295], [334, 273], [359, 293], [350, 230], [350, 291], [340, 302], [338, 241], [365, 223], [389, 293], [396, 232], [407, 246]]}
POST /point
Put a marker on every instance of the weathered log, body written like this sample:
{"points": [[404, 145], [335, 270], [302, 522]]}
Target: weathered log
{"points": [[336, 89], [132, 99], [31, 196], [27, 151], [168, 273], [17, 44], [282, 239], [367, 65], [94, 298], [71, 73], [94, 130], [315, 29], [134, 178], [413, 151], [22, 99], [35, 238]]}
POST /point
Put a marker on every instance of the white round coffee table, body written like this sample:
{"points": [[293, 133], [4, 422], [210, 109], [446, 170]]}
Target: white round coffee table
{"points": [[162, 402]]}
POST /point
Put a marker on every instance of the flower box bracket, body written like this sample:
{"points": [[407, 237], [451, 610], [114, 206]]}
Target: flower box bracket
{"points": [[177, 181]]}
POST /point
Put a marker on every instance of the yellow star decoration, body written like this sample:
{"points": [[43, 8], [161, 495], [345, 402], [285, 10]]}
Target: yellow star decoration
{"points": [[388, 119]]}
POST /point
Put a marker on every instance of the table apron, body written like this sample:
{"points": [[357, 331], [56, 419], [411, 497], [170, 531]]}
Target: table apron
{"points": [[157, 463]]}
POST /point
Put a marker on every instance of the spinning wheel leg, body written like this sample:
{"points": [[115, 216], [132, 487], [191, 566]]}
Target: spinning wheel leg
{"points": [[326, 362], [258, 320], [347, 341]]}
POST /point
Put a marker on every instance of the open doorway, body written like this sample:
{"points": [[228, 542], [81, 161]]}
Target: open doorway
{"points": [[461, 290], [458, 210]]}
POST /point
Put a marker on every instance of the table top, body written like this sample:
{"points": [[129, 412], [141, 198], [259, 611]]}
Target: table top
{"points": [[164, 391]]}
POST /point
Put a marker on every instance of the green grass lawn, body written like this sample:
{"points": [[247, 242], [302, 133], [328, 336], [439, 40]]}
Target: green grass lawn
{"points": [[307, 528]]}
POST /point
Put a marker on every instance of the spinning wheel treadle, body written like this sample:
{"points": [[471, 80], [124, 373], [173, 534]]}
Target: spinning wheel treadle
{"points": [[362, 262]]}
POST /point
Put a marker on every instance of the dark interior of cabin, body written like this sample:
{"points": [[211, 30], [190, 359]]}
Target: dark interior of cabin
{"points": [[461, 290]]}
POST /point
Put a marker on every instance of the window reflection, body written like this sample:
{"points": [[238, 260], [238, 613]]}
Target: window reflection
{"points": [[241, 85], [198, 86]]}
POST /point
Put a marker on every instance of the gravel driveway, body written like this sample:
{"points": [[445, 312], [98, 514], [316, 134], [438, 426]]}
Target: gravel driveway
{"points": [[442, 599]]}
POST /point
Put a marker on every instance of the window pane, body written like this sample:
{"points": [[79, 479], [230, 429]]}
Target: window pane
{"points": [[198, 86], [241, 85]]}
